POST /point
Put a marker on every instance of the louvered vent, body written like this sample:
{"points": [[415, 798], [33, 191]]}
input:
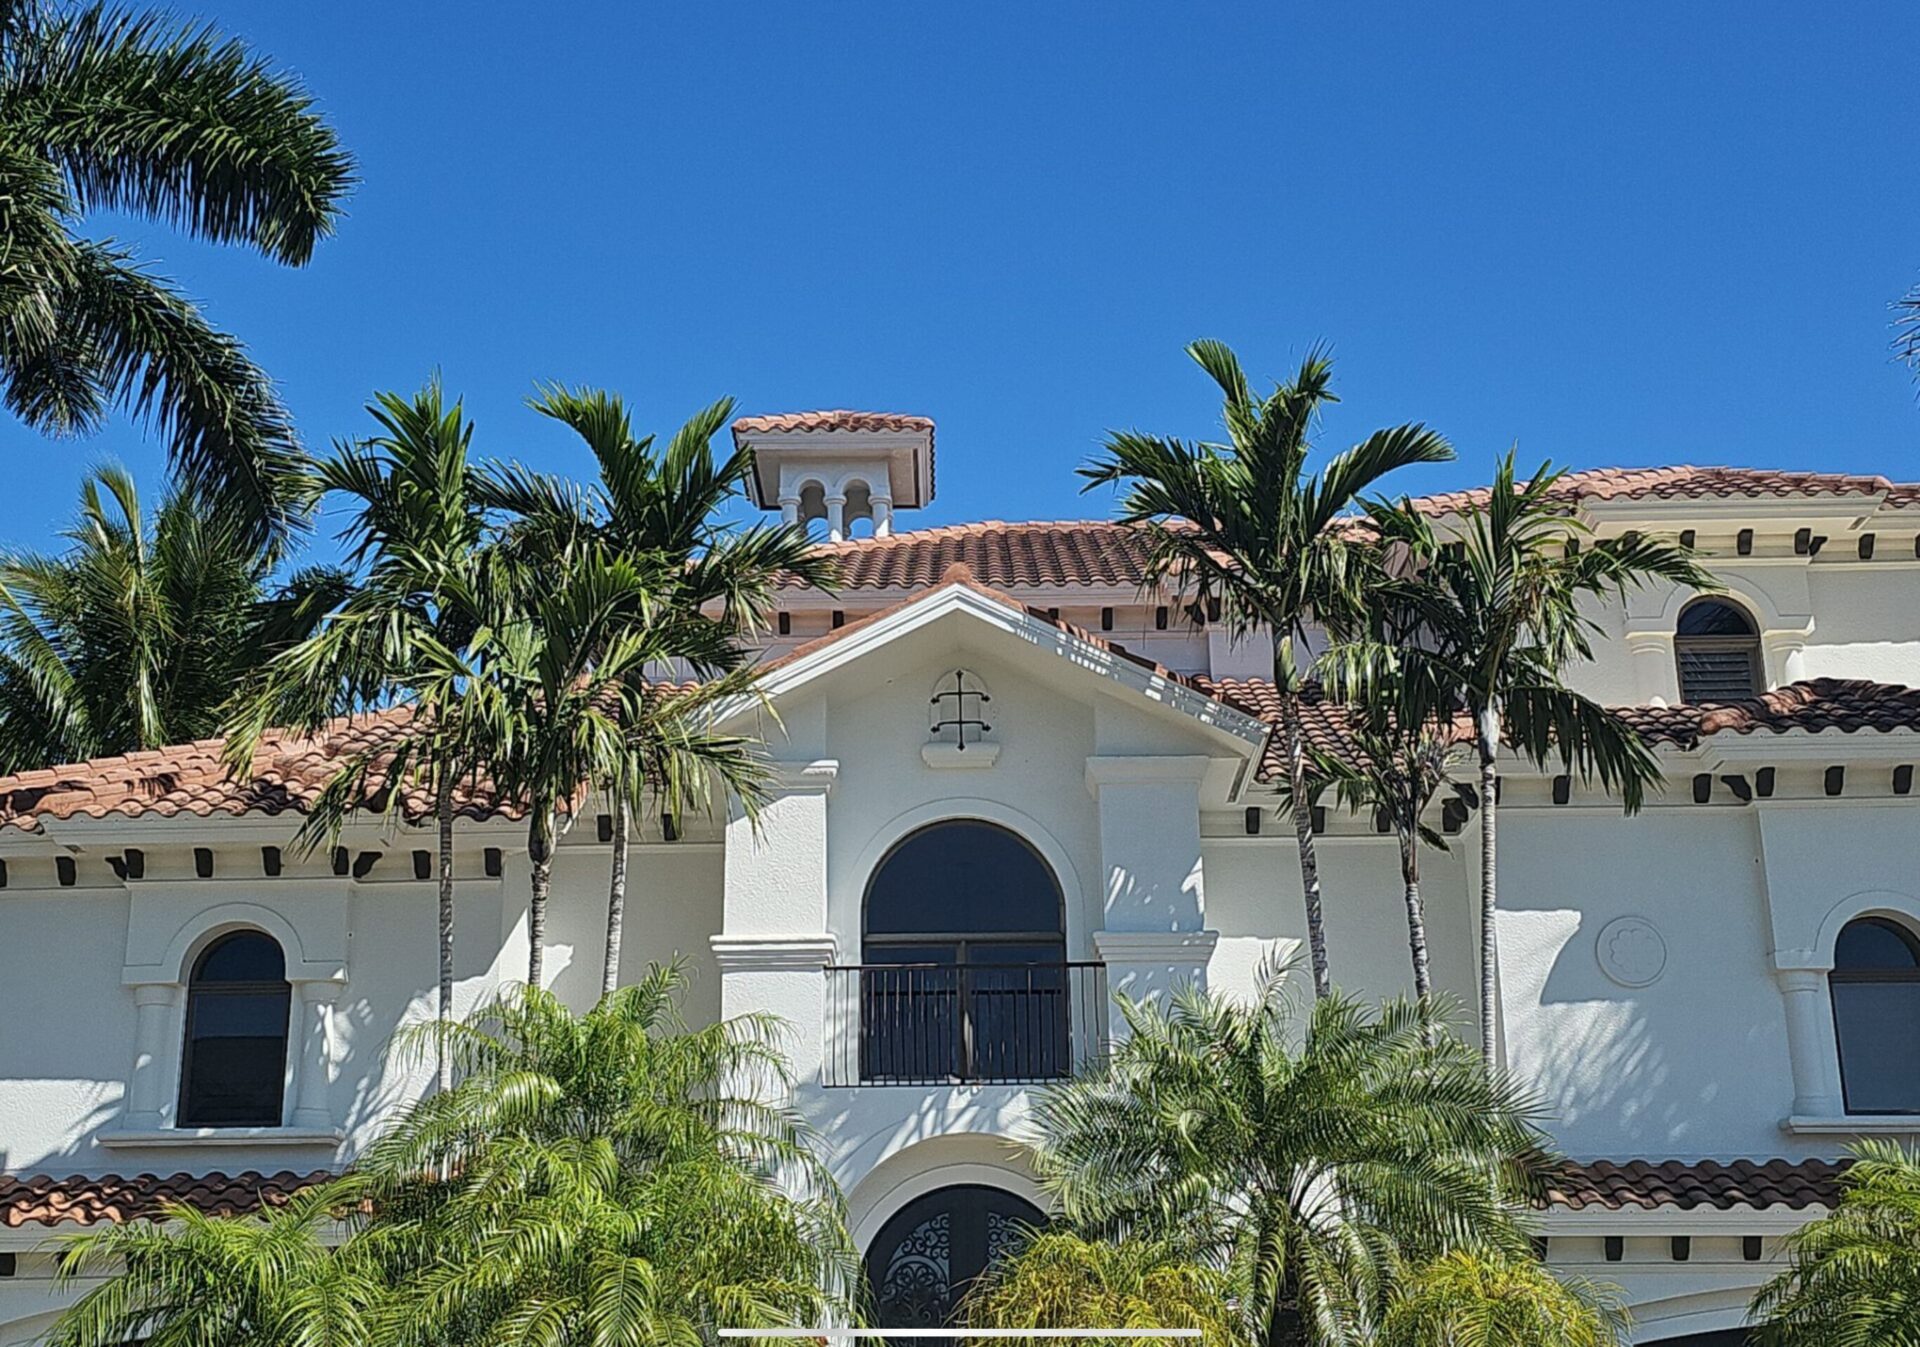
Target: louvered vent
{"points": [[1719, 673]]}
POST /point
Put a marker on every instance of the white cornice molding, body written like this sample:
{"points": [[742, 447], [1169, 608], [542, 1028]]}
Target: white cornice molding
{"points": [[809, 953], [1193, 948], [1665, 1221], [810, 777], [1145, 769]]}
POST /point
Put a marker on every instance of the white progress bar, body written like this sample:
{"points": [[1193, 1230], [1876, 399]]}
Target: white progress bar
{"points": [[843, 1334]]}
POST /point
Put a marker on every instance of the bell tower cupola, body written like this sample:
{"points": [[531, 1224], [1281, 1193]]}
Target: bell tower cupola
{"points": [[840, 467]]}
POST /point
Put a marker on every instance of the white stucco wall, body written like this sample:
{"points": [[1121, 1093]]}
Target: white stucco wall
{"points": [[1109, 786]]}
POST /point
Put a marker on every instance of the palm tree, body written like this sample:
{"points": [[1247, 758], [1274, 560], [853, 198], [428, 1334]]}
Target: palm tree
{"points": [[612, 1177], [1394, 758], [661, 507], [564, 692], [1307, 1170], [1061, 1280], [223, 1281], [1463, 1299], [607, 1177], [101, 109], [1854, 1276], [1243, 524], [135, 635], [1498, 600], [403, 636]]}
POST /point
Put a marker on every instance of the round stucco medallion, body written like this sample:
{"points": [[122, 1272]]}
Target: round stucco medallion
{"points": [[1631, 951]]}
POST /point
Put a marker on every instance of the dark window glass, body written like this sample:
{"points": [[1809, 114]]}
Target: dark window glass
{"points": [[926, 1257], [1874, 944], [968, 920], [1710, 617], [1876, 1016], [1717, 651], [965, 876], [234, 1065]]}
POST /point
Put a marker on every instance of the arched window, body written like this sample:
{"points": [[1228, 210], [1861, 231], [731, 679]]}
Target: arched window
{"points": [[931, 1250], [1718, 650], [965, 947], [1876, 1015], [234, 1065]]}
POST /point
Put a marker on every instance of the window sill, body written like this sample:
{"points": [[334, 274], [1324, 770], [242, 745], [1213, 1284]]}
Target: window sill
{"points": [[976, 756], [167, 1137], [1855, 1123]]}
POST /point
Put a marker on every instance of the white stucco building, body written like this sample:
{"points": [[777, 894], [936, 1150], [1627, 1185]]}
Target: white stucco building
{"points": [[1009, 783]]}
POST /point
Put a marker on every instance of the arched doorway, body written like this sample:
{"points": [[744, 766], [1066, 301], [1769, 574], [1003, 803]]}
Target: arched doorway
{"points": [[964, 970], [931, 1251]]}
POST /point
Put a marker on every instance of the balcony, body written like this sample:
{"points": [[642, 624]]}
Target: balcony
{"points": [[962, 1023]]}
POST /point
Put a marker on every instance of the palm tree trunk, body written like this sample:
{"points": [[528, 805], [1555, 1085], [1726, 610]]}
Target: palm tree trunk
{"points": [[443, 811], [616, 898], [540, 850], [1416, 917], [1489, 909], [1296, 748]]}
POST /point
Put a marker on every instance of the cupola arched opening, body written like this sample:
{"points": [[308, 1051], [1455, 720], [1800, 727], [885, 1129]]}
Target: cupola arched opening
{"points": [[233, 1064], [1716, 647], [1875, 984], [964, 954]]}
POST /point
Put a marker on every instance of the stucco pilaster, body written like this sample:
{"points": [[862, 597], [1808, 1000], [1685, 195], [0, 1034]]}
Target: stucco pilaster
{"points": [[156, 1013], [311, 1051]]}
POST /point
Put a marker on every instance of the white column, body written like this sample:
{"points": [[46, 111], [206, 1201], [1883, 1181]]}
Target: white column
{"points": [[882, 516], [790, 509], [1655, 678], [774, 938], [311, 1052], [1810, 1043], [784, 975], [1152, 937], [156, 1020], [1785, 653], [836, 518]]}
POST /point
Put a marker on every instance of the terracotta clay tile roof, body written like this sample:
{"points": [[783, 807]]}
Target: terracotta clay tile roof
{"points": [[82, 1200], [959, 573], [1685, 482], [289, 772], [1845, 704], [1064, 553], [1095, 552], [1820, 704], [1616, 1184], [842, 419]]}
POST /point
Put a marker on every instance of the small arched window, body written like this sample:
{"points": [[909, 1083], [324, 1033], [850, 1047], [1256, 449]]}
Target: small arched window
{"points": [[234, 1066], [1876, 1015], [1717, 648]]}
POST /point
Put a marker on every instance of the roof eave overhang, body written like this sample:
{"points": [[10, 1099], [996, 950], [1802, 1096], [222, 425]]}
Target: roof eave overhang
{"points": [[1784, 513], [1239, 734]]}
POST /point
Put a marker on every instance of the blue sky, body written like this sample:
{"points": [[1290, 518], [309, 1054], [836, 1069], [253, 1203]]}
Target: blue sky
{"points": [[1627, 233]]}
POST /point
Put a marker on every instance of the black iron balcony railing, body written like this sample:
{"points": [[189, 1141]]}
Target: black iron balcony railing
{"points": [[969, 1023]]}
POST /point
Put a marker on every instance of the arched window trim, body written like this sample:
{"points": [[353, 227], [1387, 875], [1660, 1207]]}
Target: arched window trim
{"points": [[1717, 651], [1839, 977], [198, 992]]}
